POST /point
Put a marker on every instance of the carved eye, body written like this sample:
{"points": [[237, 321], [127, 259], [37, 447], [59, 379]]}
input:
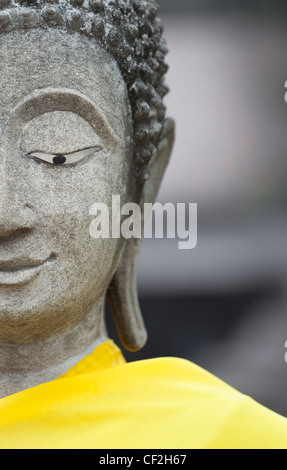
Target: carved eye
{"points": [[63, 158]]}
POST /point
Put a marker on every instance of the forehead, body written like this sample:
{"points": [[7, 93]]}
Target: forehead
{"points": [[39, 60]]}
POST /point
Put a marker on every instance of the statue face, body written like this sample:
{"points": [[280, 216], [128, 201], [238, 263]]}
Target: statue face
{"points": [[59, 93]]}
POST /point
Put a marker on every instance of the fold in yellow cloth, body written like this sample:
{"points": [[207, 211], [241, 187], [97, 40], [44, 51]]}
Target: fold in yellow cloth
{"points": [[165, 403]]}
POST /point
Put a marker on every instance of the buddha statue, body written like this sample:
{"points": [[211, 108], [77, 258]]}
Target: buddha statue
{"points": [[74, 77], [82, 119]]}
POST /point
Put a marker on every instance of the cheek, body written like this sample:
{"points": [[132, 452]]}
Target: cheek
{"points": [[68, 194]]}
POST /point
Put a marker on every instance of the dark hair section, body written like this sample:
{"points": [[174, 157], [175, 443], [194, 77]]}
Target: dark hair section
{"points": [[131, 32]]}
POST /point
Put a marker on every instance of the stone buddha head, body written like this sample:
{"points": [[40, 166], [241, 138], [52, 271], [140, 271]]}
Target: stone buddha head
{"points": [[83, 80]]}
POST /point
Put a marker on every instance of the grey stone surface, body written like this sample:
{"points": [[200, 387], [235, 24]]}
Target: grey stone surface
{"points": [[62, 91]]}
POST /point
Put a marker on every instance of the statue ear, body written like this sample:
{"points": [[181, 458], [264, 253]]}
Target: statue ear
{"points": [[122, 293], [159, 162]]}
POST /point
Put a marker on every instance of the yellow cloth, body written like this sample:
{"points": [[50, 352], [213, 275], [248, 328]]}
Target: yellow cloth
{"points": [[106, 403]]}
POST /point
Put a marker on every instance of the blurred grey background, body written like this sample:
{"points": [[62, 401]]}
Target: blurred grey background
{"points": [[223, 305]]}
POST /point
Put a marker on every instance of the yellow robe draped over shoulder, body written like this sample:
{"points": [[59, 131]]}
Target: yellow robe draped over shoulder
{"points": [[165, 403]]}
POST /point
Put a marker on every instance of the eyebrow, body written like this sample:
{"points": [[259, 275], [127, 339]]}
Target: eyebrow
{"points": [[64, 99]]}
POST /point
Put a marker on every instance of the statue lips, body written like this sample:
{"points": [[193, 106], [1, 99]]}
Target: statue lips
{"points": [[21, 271]]}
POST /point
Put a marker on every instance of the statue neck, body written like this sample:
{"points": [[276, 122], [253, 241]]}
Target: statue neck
{"points": [[24, 366]]}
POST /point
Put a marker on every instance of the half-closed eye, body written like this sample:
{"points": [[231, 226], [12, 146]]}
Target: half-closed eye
{"points": [[63, 158]]}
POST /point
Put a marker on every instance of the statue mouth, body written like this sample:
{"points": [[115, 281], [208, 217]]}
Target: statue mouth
{"points": [[21, 271]]}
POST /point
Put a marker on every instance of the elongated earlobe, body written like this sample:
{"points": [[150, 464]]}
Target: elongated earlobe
{"points": [[122, 293], [123, 300]]}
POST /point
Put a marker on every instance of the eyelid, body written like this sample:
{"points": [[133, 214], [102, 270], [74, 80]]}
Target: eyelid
{"points": [[70, 157], [65, 99]]}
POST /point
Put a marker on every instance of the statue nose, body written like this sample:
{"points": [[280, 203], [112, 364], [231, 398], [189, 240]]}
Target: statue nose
{"points": [[11, 224], [16, 215]]}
